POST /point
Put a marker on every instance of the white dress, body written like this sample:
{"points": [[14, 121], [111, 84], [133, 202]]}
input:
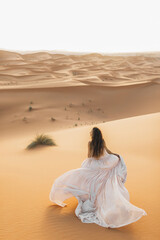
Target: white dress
{"points": [[99, 187]]}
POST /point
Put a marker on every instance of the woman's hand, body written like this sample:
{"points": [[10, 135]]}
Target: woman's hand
{"points": [[111, 152], [117, 155]]}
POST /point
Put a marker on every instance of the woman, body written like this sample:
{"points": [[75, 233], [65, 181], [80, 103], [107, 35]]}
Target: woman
{"points": [[99, 187]]}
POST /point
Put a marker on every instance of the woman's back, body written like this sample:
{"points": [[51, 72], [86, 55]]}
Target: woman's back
{"points": [[105, 161]]}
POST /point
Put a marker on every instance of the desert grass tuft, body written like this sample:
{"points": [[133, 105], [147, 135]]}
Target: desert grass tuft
{"points": [[41, 139], [30, 108], [53, 119]]}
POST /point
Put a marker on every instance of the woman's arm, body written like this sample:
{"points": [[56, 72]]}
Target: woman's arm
{"points": [[111, 152]]}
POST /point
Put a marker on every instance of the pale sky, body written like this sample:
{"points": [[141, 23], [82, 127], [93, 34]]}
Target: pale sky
{"points": [[107, 26]]}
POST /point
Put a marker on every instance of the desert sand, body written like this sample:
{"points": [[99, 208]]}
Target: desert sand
{"points": [[118, 94]]}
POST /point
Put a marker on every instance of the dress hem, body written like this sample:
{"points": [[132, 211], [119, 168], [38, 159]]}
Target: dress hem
{"points": [[143, 214], [62, 204]]}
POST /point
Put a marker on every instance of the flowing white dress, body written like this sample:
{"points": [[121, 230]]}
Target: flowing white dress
{"points": [[99, 187]]}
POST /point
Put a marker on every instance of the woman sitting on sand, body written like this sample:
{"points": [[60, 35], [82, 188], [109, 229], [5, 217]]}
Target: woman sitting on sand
{"points": [[99, 187]]}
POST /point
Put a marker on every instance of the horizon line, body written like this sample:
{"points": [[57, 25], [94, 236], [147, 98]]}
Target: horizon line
{"points": [[67, 52]]}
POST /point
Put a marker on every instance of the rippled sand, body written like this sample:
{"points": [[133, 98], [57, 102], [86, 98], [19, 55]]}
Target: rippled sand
{"points": [[43, 69]]}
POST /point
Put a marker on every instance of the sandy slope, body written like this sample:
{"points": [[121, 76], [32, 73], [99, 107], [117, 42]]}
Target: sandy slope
{"points": [[81, 105], [120, 94], [27, 177]]}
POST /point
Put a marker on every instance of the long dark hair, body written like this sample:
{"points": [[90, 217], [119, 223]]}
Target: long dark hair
{"points": [[97, 144]]}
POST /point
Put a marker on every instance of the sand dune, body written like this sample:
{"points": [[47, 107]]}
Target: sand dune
{"points": [[65, 70], [65, 95], [81, 105], [28, 176]]}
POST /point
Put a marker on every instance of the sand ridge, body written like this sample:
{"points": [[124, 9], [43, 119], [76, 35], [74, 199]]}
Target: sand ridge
{"points": [[44, 69]]}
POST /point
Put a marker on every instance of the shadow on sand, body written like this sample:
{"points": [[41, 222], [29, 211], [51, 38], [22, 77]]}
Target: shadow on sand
{"points": [[62, 223]]}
